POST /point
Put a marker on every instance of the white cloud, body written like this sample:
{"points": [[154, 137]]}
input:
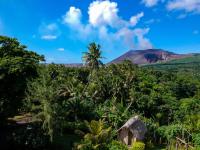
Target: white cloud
{"points": [[48, 37], [103, 13], [143, 42], [73, 16], [186, 5], [106, 26], [61, 49], [49, 31], [47, 28], [137, 34], [135, 19], [128, 36], [72, 19], [150, 3]]}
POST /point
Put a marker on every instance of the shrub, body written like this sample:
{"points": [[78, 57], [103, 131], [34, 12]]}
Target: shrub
{"points": [[137, 146], [116, 145], [97, 137], [196, 140], [149, 145]]}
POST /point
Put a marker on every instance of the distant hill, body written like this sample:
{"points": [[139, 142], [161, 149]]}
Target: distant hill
{"points": [[188, 64], [149, 56], [76, 65]]}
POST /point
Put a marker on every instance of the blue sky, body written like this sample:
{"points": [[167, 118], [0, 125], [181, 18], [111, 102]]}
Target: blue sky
{"points": [[62, 29]]}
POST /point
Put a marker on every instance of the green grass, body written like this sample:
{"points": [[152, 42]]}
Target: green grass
{"points": [[192, 59]]}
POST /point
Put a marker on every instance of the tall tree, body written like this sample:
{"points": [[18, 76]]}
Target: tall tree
{"points": [[17, 65], [93, 57]]}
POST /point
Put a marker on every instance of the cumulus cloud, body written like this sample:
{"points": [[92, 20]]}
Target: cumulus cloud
{"points": [[49, 31], [73, 16], [150, 3], [103, 13], [186, 5], [104, 24]]}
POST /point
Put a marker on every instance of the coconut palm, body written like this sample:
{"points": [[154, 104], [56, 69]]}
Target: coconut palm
{"points": [[92, 58]]}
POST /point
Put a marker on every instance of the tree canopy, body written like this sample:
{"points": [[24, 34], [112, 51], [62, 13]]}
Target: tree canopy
{"points": [[86, 106], [93, 57], [17, 65]]}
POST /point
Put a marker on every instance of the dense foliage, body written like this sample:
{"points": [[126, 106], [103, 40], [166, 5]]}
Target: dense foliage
{"points": [[17, 65], [62, 99]]}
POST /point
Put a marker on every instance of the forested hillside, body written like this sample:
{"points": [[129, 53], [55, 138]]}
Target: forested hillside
{"points": [[191, 63], [58, 107]]}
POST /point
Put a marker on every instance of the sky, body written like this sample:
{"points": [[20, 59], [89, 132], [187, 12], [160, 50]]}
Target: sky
{"points": [[62, 29]]}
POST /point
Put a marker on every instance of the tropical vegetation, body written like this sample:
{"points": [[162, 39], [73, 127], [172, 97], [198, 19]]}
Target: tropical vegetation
{"points": [[82, 108]]}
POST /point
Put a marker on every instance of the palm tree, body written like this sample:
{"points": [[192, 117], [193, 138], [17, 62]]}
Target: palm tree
{"points": [[97, 138], [92, 58]]}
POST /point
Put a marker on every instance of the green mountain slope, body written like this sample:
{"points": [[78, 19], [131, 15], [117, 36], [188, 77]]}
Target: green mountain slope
{"points": [[184, 64]]}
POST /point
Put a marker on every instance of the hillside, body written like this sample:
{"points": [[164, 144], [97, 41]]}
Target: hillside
{"points": [[149, 56], [191, 63]]}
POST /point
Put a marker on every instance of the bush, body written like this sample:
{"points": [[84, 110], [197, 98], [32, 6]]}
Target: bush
{"points": [[137, 146], [149, 145], [25, 137], [97, 138], [116, 145], [196, 140]]}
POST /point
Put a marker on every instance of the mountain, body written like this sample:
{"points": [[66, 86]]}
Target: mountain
{"points": [[149, 56]]}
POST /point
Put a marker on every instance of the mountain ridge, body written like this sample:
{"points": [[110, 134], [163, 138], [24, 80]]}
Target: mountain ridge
{"points": [[144, 57]]}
